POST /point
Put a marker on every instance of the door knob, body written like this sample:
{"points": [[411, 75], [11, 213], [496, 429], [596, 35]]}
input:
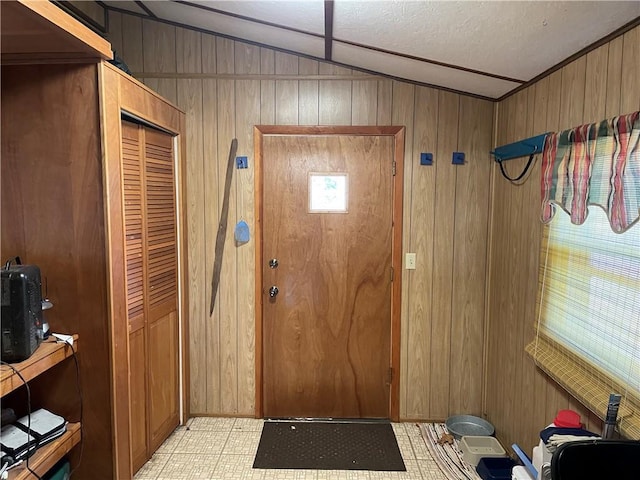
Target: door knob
{"points": [[273, 263], [273, 291]]}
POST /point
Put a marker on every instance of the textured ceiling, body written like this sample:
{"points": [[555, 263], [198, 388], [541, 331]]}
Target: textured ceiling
{"points": [[483, 48]]}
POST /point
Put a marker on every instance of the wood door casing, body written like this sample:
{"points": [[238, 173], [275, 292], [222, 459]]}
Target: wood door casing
{"points": [[326, 337]]}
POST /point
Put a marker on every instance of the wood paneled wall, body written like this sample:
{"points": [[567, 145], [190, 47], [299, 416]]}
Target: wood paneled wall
{"points": [[604, 83], [226, 88]]}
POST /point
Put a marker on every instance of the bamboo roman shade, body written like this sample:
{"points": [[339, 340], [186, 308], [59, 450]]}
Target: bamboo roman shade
{"points": [[588, 329]]}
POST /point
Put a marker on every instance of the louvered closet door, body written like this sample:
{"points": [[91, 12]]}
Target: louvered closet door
{"points": [[133, 203], [161, 294]]}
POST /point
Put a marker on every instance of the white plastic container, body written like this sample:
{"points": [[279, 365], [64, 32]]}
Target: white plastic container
{"points": [[520, 473], [475, 448]]}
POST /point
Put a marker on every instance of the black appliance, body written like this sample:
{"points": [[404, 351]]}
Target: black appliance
{"points": [[21, 303], [597, 459]]}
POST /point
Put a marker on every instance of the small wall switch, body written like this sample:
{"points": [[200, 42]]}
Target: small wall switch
{"points": [[458, 158], [426, 158], [410, 261], [242, 162]]}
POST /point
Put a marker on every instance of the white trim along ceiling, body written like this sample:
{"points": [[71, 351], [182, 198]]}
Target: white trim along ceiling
{"points": [[483, 48]]}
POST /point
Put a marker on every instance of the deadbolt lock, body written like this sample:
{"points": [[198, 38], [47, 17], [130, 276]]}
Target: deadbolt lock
{"points": [[273, 291], [273, 263]]}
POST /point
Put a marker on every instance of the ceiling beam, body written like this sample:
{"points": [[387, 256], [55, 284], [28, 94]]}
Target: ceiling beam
{"points": [[146, 9], [328, 29]]}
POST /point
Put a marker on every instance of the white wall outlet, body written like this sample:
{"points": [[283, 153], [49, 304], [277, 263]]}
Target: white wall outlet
{"points": [[410, 261]]}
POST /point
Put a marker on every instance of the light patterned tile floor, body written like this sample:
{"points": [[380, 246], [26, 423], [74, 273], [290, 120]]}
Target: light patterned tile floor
{"points": [[209, 448]]}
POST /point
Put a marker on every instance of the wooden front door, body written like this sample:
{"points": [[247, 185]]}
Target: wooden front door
{"points": [[327, 247]]}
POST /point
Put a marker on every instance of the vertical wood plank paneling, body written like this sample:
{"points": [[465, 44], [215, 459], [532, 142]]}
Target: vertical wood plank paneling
{"points": [[267, 88], [208, 50], [383, 114], [227, 290], [247, 115], [225, 55], [515, 248], [189, 60], [528, 289], [534, 384], [402, 114], [247, 58], [495, 390], [210, 198], [292, 101], [132, 46], [188, 51], [159, 55], [586, 90], [573, 87], [493, 316], [308, 93], [335, 102], [286, 90], [469, 267], [595, 85], [630, 88], [364, 102], [614, 77], [331, 69], [115, 32], [448, 105], [211, 348], [416, 354], [507, 336]]}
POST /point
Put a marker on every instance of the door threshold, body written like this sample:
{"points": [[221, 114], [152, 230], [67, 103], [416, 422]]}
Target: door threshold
{"points": [[327, 419]]}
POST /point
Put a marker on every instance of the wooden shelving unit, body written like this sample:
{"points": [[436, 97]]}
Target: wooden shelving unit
{"points": [[47, 456], [47, 355]]}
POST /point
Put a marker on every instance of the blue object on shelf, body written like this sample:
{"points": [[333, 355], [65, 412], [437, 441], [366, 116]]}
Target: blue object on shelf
{"points": [[521, 148], [242, 162], [495, 468], [426, 158], [525, 460], [458, 158]]}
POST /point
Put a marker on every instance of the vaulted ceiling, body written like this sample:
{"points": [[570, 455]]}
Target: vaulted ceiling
{"points": [[485, 48]]}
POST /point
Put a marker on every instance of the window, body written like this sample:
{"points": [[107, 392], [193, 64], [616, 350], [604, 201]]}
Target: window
{"points": [[588, 328]]}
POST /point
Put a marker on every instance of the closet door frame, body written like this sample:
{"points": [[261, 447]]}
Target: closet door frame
{"points": [[121, 94]]}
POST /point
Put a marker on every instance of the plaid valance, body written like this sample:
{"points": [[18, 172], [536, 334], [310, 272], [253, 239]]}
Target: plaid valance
{"points": [[594, 164]]}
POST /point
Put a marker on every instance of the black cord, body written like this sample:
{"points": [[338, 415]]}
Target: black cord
{"points": [[519, 177], [28, 454], [79, 388]]}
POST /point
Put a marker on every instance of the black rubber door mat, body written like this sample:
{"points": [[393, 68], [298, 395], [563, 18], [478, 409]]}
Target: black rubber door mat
{"points": [[329, 446]]}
